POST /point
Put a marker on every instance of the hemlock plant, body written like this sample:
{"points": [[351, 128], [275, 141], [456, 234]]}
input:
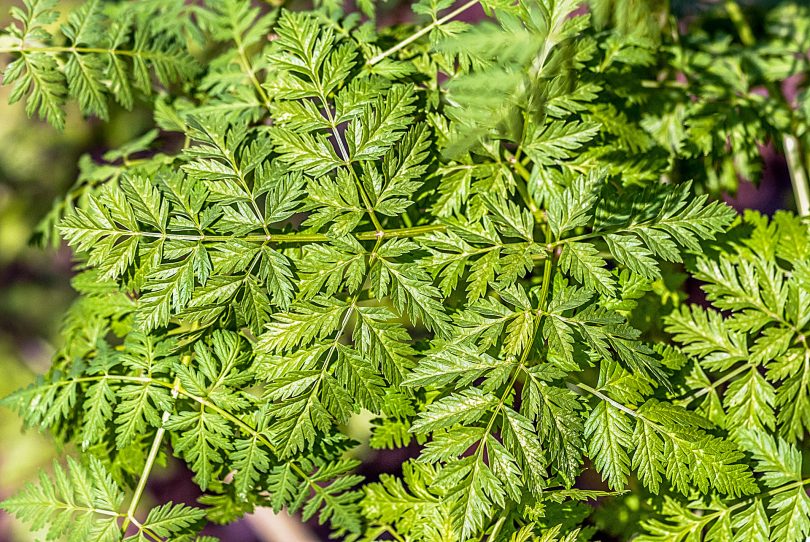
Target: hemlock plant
{"points": [[474, 233]]}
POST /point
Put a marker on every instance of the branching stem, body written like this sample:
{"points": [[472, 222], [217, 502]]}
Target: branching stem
{"points": [[416, 35], [703, 391], [176, 388], [414, 231], [27, 48]]}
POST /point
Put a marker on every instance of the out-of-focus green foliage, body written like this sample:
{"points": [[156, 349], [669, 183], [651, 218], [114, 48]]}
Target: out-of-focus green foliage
{"points": [[36, 168]]}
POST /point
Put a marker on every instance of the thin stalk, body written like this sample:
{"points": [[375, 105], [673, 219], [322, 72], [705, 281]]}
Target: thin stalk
{"points": [[521, 366], [348, 163], [346, 318], [728, 376], [547, 268], [603, 397], [482, 444], [496, 529], [147, 470], [243, 59], [738, 18], [607, 231], [415, 36], [798, 175], [287, 237], [99, 511], [522, 187], [146, 531], [26, 48], [150, 459]]}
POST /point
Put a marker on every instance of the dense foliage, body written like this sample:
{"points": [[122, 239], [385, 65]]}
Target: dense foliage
{"points": [[475, 234]]}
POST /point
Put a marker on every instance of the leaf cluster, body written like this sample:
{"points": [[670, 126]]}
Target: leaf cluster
{"points": [[454, 236]]}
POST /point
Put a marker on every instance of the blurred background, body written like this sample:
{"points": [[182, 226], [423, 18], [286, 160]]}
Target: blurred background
{"points": [[37, 164]]}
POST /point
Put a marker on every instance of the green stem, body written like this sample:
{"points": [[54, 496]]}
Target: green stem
{"points": [[547, 268], [367, 202], [150, 459], [798, 175], [496, 529], [743, 29], [538, 318], [522, 187], [718, 382], [246, 65], [347, 162], [146, 531], [23, 49], [288, 237], [352, 306], [412, 38], [596, 393], [147, 470]]}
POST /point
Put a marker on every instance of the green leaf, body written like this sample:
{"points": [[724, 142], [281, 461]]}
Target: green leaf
{"points": [[170, 290], [310, 154], [779, 462], [360, 379], [694, 458], [572, 208], [250, 458], [381, 124], [140, 407], [459, 408], [557, 140], [308, 321], [791, 521], [104, 55], [410, 290], [169, 519], [79, 503], [609, 435], [476, 494], [203, 440], [459, 363], [98, 407], [522, 439], [587, 267], [385, 341]]}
